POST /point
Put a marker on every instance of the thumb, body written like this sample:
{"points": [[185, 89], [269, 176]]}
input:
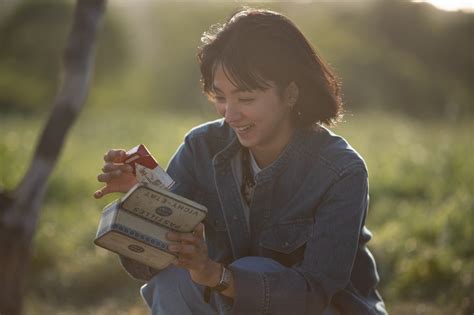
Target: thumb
{"points": [[199, 231], [102, 192]]}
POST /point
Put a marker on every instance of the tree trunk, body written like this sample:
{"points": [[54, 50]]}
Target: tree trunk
{"points": [[19, 209]]}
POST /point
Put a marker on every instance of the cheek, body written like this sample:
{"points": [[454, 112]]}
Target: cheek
{"points": [[220, 108], [273, 113]]}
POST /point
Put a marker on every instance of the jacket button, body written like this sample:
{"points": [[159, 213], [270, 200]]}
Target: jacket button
{"points": [[216, 222], [285, 244]]}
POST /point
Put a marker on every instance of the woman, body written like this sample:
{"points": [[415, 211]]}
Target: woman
{"points": [[287, 199]]}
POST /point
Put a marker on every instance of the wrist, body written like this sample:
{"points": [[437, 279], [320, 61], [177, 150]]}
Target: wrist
{"points": [[216, 275], [210, 274], [225, 281]]}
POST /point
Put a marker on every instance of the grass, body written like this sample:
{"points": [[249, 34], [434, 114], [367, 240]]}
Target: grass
{"points": [[421, 179]]}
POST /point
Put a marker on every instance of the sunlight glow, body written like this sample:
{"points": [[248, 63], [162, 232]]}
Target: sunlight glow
{"points": [[451, 5]]}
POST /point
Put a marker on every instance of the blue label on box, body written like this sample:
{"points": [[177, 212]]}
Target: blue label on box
{"points": [[142, 237]]}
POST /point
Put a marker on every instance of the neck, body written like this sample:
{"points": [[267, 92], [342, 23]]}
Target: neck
{"points": [[267, 154]]}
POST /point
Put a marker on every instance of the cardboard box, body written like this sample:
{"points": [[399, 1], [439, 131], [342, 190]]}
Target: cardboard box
{"points": [[146, 169]]}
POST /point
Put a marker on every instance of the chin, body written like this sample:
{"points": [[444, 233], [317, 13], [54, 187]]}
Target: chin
{"points": [[246, 143]]}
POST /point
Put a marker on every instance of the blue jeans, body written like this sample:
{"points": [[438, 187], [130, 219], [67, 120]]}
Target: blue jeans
{"points": [[172, 291]]}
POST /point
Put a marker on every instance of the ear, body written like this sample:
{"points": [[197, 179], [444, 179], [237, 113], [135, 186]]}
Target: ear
{"points": [[291, 94]]}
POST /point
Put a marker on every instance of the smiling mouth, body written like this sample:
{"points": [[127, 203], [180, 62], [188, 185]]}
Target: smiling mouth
{"points": [[244, 128]]}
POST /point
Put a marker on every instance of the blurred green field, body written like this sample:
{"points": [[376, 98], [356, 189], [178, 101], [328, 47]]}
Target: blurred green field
{"points": [[422, 205], [394, 57]]}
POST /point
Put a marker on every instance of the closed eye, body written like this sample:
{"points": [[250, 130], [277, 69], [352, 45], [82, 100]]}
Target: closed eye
{"points": [[219, 99], [246, 100]]}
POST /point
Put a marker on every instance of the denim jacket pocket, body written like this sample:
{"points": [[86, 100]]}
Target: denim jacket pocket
{"points": [[285, 242], [215, 221]]}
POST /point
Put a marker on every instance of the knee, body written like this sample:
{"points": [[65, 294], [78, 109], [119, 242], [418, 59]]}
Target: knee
{"points": [[163, 284], [169, 274]]}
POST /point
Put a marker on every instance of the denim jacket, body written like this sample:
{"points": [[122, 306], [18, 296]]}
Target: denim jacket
{"points": [[307, 212]]}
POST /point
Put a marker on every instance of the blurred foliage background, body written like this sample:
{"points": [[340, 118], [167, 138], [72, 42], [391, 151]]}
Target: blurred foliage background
{"points": [[408, 75]]}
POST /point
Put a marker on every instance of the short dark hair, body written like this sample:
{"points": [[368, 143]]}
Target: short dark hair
{"points": [[257, 45]]}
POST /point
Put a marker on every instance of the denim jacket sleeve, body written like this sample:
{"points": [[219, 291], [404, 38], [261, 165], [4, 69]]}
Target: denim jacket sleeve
{"points": [[307, 287], [181, 169]]}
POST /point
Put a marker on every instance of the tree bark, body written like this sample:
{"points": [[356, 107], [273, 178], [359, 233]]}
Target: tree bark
{"points": [[19, 209]]}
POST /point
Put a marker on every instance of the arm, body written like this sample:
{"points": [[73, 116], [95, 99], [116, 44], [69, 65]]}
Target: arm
{"points": [[328, 257], [181, 169]]}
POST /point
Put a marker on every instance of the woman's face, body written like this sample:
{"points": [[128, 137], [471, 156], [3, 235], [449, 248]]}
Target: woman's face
{"points": [[261, 119]]}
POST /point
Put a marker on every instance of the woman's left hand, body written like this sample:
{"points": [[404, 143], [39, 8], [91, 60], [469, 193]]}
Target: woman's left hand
{"points": [[193, 255]]}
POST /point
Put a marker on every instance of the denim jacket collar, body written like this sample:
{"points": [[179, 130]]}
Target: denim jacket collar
{"points": [[228, 152]]}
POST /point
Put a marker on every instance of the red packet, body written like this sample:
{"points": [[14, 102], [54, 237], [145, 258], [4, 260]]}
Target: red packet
{"points": [[146, 169]]}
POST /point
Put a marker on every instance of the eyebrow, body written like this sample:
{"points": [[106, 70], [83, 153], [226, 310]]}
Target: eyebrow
{"points": [[234, 91]]}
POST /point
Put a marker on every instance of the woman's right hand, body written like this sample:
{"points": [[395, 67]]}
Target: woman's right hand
{"points": [[117, 176]]}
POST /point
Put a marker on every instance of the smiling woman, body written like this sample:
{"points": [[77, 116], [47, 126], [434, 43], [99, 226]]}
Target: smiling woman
{"points": [[287, 198]]}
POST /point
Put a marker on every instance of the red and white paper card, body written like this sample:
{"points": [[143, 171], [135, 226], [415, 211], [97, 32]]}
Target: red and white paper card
{"points": [[146, 169]]}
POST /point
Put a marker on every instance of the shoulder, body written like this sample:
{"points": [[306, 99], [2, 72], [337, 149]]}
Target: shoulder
{"points": [[214, 129], [213, 136], [334, 152]]}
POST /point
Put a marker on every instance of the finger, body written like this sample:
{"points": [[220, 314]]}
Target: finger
{"points": [[181, 262], [114, 155], [177, 263], [183, 237], [190, 239], [107, 177], [172, 236], [183, 249], [199, 231], [102, 192], [110, 167], [185, 261]]}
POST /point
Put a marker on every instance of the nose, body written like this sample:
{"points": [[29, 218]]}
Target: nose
{"points": [[231, 112]]}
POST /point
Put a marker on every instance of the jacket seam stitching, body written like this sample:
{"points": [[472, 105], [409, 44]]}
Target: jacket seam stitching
{"points": [[266, 295], [341, 171]]}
